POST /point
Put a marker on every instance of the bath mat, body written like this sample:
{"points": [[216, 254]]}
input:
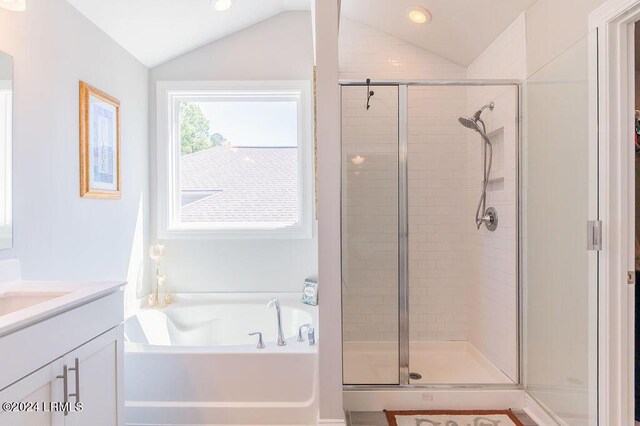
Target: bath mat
{"points": [[452, 418]]}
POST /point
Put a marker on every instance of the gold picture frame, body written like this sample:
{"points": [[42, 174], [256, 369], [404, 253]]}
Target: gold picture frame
{"points": [[99, 144]]}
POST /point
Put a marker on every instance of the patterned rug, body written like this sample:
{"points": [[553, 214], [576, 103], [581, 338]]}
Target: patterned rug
{"points": [[453, 418]]}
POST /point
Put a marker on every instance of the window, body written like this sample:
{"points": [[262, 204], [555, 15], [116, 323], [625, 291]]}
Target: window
{"points": [[234, 159]]}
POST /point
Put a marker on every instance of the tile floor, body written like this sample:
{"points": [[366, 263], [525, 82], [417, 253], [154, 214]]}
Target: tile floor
{"points": [[377, 418]]}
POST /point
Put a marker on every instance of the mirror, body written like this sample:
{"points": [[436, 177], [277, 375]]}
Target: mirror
{"points": [[6, 114]]}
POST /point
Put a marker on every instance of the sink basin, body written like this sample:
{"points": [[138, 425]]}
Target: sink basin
{"points": [[15, 301]]}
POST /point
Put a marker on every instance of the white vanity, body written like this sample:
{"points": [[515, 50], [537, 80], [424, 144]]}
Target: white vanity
{"points": [[60, 342]]}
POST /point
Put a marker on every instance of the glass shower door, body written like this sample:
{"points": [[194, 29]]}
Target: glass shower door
{"points": [[370, 236], [462, 280], [559, 197]]}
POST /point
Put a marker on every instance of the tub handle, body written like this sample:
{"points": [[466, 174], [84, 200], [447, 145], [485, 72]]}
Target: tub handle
{"points": [[302, 327], [260, 344], [312, 336]]}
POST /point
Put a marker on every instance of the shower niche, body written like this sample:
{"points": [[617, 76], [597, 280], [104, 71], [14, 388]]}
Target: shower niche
{"points": [[429, 296], [496, 178]]}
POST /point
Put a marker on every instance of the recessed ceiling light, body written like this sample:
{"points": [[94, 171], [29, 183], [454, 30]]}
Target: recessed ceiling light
{"points": [[15, 5], [419, 15], [221, 5]]}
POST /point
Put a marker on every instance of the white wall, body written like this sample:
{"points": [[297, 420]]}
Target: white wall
{"points": [[280, 48], [57, 234], [492, 268], [325, 17], [553, 26], [366, 52]]}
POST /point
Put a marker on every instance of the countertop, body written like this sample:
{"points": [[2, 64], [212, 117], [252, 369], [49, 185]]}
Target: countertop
{"points": [[79, 293]]}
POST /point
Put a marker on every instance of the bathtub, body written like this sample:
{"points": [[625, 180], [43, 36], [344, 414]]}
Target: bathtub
{"points": [[194, 363]]}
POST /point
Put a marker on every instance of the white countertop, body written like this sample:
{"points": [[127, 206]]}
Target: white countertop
{"points": [[79, 293]]}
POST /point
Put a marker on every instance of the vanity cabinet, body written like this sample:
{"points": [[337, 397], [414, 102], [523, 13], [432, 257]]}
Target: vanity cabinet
{"points": [[41, 386], [76, 357], [97, 381], [91, 379]]}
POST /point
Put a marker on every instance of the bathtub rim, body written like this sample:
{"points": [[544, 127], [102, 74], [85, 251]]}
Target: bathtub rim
{"points": [[287, 300]]}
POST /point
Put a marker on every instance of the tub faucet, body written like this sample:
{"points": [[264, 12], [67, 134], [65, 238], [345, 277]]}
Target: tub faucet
{"points": [[275, 302]]}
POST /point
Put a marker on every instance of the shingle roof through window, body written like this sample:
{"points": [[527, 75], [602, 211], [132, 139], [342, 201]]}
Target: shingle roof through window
{"points": [[241, 184]]}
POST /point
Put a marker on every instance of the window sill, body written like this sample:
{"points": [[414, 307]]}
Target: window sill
{"points": [[190, 233]]}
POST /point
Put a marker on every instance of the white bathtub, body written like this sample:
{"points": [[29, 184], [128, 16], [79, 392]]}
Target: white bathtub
{"points": [[194, 363]]}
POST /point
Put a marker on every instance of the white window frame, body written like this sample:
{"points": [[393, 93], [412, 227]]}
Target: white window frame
{"points": [[169, 95]]}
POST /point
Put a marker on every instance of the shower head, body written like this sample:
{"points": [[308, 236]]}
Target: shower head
{"points": [[469, 123], [472, 122]]}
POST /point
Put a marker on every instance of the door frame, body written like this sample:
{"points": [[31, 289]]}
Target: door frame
{"points": [[616, 104]]}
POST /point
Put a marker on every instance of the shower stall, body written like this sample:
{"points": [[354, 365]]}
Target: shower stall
{"points": [[429, 232], [465, 260]]}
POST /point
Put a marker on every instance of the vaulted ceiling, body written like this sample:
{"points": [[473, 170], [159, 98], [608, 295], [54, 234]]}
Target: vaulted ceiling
{"points": [[460, 30], [155, 31]]}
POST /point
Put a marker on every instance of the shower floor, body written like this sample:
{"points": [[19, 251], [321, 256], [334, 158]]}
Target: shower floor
{"points": [[436, 362]]}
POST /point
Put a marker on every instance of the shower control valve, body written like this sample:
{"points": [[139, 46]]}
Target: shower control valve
{"points": [[490, 219]]}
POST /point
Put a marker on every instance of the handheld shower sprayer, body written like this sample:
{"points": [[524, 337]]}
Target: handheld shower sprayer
{"points": [[489, 215]]}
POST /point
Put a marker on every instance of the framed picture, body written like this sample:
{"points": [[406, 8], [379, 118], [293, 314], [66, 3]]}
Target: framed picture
{"points": [[99, 144]]}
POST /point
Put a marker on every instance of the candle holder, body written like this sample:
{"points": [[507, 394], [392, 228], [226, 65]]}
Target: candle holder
{"points": [[156, 253]]}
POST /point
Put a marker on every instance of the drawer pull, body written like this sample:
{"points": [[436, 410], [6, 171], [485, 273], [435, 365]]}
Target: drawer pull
{"points": [[76, 370], [65, 387]]}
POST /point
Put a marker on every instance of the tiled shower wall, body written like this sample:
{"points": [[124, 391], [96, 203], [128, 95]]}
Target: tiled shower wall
{"points": [[368, 53], [462, 281], [436, 192], [492, 256], [436, 163], [370, 215]]}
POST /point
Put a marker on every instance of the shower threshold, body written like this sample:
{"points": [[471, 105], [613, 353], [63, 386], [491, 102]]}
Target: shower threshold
{"points": [[447, 362]]}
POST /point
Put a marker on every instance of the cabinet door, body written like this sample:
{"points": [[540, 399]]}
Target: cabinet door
{"points": [[41, 387], [95, 382]]}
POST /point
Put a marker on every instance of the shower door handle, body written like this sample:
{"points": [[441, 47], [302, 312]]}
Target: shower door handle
{"points": [[594, 235]]}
